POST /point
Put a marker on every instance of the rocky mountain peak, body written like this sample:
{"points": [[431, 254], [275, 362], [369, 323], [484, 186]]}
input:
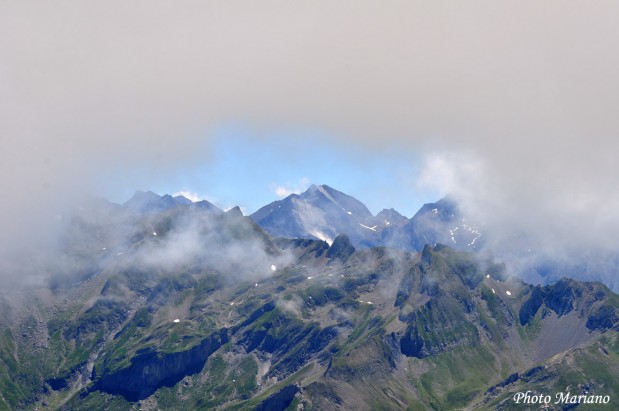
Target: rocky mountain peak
{"points": [[341, 248], [235, 211], [149, 202]]}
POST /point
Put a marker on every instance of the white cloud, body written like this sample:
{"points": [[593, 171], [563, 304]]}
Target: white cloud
{"points": [[282, 191], [189, 195], [97, 89], [285, 190], [448, 172]]}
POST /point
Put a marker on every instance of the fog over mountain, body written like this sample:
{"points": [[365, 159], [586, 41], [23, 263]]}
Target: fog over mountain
{"points": [[165, 233], [164, 303], [513, 105]]}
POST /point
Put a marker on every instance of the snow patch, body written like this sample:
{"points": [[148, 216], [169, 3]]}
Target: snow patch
{"points": [[452, 233], [493, 292], [435, 210], [475, 239], [321, 236], [487, 275], [273, 267], [369, 228], [309, 278], [154, 233], [508, 293], [348, 212], [177, 320]]}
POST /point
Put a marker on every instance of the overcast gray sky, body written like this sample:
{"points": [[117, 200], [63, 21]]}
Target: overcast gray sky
{"points": [[513, 104]]}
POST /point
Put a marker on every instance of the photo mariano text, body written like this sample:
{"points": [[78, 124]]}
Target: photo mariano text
{"points": [[530, 397]]}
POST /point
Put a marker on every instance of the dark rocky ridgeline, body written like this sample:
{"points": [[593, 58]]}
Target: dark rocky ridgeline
{"points": [[304, 248], [290, 341], [605, 318], [436, 328], [151, 370], [341, 248], [592, 301]]}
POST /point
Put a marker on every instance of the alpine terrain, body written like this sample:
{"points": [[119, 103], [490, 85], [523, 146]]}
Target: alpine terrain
{"points": [[311, 303]]}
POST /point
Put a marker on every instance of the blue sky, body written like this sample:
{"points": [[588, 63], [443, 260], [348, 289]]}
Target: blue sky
{"points": [[241, 168]]}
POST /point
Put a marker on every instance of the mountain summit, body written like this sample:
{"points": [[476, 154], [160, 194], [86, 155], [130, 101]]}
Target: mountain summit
{"points": [[321, 213], [145, 202]]}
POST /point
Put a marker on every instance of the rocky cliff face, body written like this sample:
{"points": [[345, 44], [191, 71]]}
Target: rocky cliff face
{"points": [[152, 370]]}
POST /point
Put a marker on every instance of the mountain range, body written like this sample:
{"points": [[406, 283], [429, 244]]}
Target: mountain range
{"points": [[322, 213], [311, 303]]}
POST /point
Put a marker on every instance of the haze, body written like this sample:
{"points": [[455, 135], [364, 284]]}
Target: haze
{"points": [[512, 105]]}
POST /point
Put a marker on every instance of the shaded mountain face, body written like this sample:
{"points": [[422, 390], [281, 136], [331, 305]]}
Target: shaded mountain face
{"points": [[200, 310], [321, 213], [440, 222]]}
